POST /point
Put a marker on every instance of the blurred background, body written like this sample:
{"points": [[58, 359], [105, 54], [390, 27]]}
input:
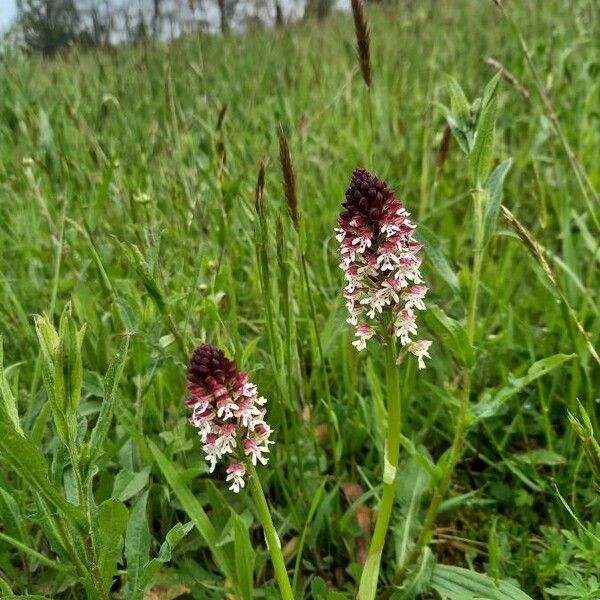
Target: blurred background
{"points": [[47, 26]]}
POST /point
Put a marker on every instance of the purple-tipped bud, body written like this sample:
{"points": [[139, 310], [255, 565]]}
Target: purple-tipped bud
{"points": [[379, 256], [226, 409], [366, 196], [209, 361]]}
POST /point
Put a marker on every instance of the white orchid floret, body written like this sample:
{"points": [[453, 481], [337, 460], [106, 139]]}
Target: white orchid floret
{"points": [[420, 349], [236, 473]]}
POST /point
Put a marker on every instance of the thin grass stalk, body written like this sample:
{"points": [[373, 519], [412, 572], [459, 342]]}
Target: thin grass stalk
{"points": [[262, 255], [265, 285], [289, 188], [284, 277], [536, 251], [584, 182]]}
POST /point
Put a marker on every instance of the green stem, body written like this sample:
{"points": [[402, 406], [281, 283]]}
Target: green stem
{"points": [[441, 488], [88, 542], [479, 198], [368, 581], [335, 446], [372, 128], [271, 536]]}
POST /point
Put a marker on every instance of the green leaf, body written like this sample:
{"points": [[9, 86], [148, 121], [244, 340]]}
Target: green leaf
{"points": [[457, 583], [480, 157], [194, 510], [437, 258], [418, 580], [318, 589], [458, 102], [62, 370], [144, 272], [12, 519], [31, 465], [412, 483], [173, 537], [542, 456], [127, 483], [244, 556], [494, 186], [490, 89], [69, 357], [453, 335], [137, 548], [5, 590], [111, 384], [109, 523], [461, 134], [9, 401], [368, 580], [491, 402]]}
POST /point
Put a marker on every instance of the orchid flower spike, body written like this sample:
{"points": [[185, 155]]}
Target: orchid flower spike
{"points": [[228, 413], [380, 259]]}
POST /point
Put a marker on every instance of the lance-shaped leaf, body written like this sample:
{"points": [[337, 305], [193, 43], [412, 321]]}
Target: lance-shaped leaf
{"points": [[111, 384], [492, 401], [9, 402], [194, 510], [495, 187], [480, 158], [457, 583], [31, 465]]}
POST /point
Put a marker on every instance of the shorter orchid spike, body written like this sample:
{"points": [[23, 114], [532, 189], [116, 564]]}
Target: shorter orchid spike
{"points": [[228, 413]]}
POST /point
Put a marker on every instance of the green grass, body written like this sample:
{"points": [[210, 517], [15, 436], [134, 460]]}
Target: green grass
{"points": [[127, 187]]}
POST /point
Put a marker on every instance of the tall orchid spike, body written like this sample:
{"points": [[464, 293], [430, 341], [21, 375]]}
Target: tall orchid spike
{"points": [[379, 256]]}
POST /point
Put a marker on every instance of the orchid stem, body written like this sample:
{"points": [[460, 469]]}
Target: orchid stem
{"points": [[368, 581], [271, 537]]}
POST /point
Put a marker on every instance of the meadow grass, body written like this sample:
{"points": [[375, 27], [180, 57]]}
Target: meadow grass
{"points": [[128, 187]]}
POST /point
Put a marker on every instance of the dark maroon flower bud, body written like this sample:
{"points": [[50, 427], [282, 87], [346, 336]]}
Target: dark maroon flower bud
{"points": [[208, 363], [366, 196]]}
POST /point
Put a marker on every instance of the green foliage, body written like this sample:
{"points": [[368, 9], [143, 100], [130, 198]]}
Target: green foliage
{"points": [[127, 195], [456, 583]]}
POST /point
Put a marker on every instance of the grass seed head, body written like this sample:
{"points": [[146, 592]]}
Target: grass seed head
{"points": [[289, 179], [363, 46]]}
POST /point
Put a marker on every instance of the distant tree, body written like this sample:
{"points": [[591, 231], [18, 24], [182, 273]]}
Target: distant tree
{"points": [[318, 8], [278, 13], [48, 25], [156, 17], [226, 9]]}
